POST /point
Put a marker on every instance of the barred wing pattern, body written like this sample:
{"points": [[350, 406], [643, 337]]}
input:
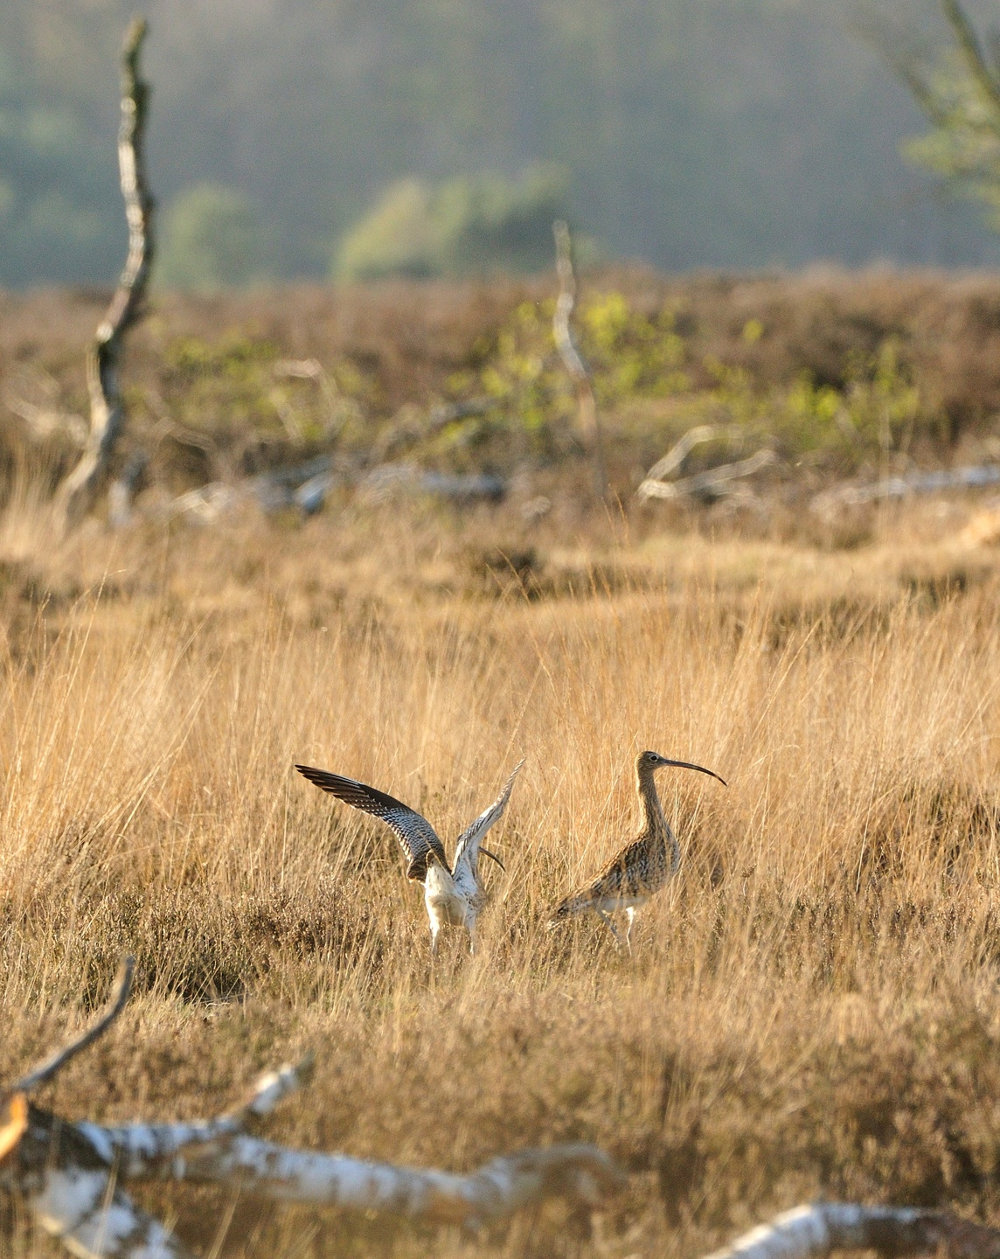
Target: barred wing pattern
{"points": [[467, 849], [416, 836]]}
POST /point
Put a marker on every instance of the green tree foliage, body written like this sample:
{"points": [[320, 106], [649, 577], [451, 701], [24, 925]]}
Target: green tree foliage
{"points": [[695, 133], [472, 224], [959, 92], [210, 240]]}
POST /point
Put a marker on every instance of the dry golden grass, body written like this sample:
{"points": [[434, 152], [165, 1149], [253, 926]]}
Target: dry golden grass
{"points": [[811, 1008]]}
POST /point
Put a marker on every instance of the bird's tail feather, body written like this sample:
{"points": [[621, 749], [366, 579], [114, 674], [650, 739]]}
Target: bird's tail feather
{"points": [[578, 903]]}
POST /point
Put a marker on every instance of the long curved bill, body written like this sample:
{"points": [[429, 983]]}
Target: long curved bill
{"points": [[700, 768]]}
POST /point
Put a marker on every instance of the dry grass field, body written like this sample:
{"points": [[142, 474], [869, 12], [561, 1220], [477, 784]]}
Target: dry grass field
{"points": [[812, 1005]]}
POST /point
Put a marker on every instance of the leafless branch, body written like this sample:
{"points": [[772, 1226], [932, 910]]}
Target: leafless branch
{"points": [[680, 450], [44, 1073]]}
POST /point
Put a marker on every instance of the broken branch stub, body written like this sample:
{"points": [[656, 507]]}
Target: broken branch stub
{"points": [[78, 490], [47, 1070], [13, 1122]]}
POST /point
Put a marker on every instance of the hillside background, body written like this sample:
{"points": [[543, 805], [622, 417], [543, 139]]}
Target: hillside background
{"points": [[690, 134]]}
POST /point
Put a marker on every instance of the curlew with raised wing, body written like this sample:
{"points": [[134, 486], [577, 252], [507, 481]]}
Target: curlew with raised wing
{"points": [[454, 895]]}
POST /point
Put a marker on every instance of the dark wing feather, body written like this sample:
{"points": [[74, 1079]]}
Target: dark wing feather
{"points": [[416, 836]]}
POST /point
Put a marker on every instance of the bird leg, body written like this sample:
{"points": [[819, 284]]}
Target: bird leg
{"points": [[628, 930], [614, 930]]}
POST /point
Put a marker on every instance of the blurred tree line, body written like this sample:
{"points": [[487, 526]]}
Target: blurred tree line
{"points": [[297, 138]]}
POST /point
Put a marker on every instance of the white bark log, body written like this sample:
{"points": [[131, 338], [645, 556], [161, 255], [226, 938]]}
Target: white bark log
{"points": [[497, 1190], [823, 1228], [96, 1221]]}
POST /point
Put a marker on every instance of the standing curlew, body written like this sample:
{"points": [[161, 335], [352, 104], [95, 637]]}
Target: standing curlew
{"points": [[452, 895], [642, 867]]}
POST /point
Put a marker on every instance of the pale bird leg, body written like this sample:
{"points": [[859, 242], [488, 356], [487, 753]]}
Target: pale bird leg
{"points": [[628, 930]]}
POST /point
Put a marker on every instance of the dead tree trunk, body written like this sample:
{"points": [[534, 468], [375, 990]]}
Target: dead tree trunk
{"points": [[78, 491], [587, 415]]}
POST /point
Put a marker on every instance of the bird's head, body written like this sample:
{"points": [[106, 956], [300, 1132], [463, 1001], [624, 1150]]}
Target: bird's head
{"points": [[647, 762]]}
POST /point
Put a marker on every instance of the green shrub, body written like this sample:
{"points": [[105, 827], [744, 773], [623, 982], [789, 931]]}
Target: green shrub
{"points": [[469, 225], [211, 240]]}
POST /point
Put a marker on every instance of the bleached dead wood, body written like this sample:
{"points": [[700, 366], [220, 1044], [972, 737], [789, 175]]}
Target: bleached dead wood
{"points": [[826, 1227], [973, 477], [71, 1176], [712, 483], [587, 414], [679, 451], [297, 489], [107, 414], [66, 1181]]}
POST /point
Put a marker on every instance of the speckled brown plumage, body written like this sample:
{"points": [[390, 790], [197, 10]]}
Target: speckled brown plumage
{"points": [[642, 867]]}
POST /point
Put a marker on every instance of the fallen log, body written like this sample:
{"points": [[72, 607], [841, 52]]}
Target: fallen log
{"points": [[72, 1176], [825, 1227], [712, 483], [973, 477]]}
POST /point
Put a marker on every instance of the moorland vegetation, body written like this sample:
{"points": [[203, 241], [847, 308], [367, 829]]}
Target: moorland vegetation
{"points": [[810, 1008]]}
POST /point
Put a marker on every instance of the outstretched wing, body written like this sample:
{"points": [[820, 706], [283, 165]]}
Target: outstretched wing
{"points": [[416, 836], [466, 873]]}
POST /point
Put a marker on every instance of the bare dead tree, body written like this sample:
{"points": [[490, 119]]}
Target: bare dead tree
{"points": [[587, 413], [77, 492], [71, 1175], [826, 1227]]}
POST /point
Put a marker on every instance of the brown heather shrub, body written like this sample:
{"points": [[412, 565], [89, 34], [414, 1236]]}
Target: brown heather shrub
{"points": [[214, 390]]}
